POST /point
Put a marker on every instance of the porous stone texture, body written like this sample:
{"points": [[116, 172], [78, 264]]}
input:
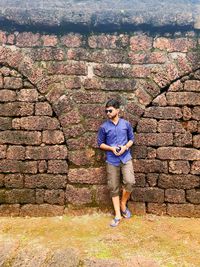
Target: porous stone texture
{"points": [[53, 89]]}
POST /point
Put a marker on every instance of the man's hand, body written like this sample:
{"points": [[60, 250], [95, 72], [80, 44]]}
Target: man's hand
{"points": [[114, 150], [123, 149]]}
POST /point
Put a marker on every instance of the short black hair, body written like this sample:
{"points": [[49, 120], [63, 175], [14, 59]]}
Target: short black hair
{"points": [[113, 103]]}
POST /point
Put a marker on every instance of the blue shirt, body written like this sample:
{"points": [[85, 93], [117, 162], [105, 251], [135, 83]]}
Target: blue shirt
{"points": [[114, 135]]}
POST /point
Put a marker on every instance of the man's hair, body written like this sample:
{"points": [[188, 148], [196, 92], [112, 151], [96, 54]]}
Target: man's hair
{"points": [[113, 103]]}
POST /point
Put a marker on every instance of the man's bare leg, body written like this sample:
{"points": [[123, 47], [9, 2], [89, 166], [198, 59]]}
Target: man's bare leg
{"points": [[116, 204], [125, 198]]}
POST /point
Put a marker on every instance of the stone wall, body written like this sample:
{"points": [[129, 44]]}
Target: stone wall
{"points": [[52, 94]]}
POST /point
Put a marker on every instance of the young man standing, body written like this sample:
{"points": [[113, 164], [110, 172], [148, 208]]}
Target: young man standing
{"points": [[116, 136]]}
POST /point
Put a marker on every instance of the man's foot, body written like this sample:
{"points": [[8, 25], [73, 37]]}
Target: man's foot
{"points": [[126, 214], [115, 222]]}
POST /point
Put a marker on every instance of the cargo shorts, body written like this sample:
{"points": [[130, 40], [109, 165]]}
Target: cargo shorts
{"points": [[114, 177]]}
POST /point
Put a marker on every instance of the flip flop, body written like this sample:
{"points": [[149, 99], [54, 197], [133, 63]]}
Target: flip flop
{"points": [[126, 214], [115, 222]]}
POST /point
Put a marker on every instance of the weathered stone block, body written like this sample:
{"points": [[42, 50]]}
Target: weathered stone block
{"points": [[178, 181], [170, 126], [87, 176], [13, 83], [3, 149], [73, 131], [146, 166], [192, 85], [57, 166], [53, 137], [149, 194], [54, 197], [184, 139], [78, 196], [154, 139], [196, 141], [92, 124], [81, 157], [28, 39], [157, 208], [151, 153], [160, 100], [16, 109], [178, 153], [109, 71], [7, 95], [91, 111], [183, 98], [193, 196], [37, 123], [196, 113], [16, 152], [141, 43], [118, 85], [44, 210], [92, 83], [179, 167], [17, 166], [152, 179], [77, 68], [139, 152], [143, 97], [134, 109], [71, 40], [140, 180], [42, 166], [72, 117], [49, 40], [9, 210], [108, 41], [175, 196], [43, 108], [191, 126], [147, 58], [20, 196], [46, 152], [163, 113], [180, 210], [5, 123], [14, 180], [187, 113], [137, 208], [174, 45], [20, 137], [1, 180], [28, 95], [49, 181], [195, 168], [102, 195], [88, 97]]}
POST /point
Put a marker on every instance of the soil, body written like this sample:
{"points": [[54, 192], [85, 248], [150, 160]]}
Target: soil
{"points": [[88, 240]]}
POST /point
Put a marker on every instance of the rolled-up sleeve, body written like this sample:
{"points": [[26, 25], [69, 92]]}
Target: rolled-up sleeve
{"points": [[101, 136], [130, 132]]}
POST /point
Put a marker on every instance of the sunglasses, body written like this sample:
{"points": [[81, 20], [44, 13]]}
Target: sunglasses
{"points": [[108, 111]]}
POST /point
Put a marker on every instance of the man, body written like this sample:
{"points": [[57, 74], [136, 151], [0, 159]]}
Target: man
{"points": [[116, 136]]}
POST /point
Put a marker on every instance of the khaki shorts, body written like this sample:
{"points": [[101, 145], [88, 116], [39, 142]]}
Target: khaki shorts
{"points": [[114, 177]]}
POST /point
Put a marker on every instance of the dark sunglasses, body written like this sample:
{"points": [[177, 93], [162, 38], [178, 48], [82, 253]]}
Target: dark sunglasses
{"points": [[108, 111]]}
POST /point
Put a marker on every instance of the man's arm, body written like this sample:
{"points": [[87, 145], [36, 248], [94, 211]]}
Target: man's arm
{"points": [[109, 148]]}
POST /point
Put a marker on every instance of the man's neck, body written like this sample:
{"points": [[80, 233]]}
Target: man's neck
{"points": [[115, 120]]}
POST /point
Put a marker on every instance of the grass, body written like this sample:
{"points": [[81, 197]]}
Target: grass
{"points": [[167, 240]]}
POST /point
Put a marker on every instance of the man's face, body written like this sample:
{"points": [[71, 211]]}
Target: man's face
{"points": [[111, 112]]}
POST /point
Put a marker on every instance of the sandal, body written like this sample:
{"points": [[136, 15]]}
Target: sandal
{"points": [[126, 214], [115, 222]]}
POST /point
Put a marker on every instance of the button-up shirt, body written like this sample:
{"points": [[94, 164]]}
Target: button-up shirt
{"points": [[115, 135]]}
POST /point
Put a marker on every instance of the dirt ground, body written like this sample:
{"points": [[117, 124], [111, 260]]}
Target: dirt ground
{"points": [[149, 240]]}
